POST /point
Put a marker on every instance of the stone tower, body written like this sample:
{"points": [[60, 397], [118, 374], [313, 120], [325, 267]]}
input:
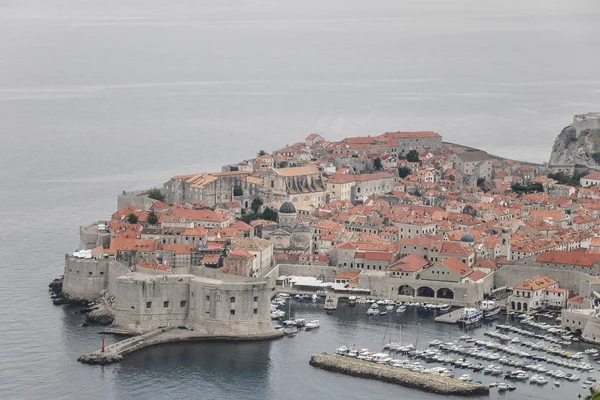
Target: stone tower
{"points": [[505, 244], [287, 215]]}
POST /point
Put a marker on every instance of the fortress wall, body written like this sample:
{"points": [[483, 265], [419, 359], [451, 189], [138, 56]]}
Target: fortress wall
{"points": [[235, 307], [85, 278], [115, 270], [230, 308], [511, 275], [144, 303]]}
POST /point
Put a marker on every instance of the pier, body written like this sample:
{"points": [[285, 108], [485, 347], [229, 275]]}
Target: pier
{"points": [[116, 351], [385, 373], [451, 317]]}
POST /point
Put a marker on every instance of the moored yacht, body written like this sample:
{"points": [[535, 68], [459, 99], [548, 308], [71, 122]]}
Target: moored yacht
{"points": [[470, 316]]}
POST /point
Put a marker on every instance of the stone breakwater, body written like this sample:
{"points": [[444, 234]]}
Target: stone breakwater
{"points": [[116, 351], [429, 383]]}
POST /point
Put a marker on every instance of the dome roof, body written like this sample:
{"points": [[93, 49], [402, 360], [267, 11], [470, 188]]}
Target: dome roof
{"points": [[468, 238], [287, 208]]}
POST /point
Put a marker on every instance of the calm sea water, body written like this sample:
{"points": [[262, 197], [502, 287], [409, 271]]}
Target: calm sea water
{"points": [[97, 97]]}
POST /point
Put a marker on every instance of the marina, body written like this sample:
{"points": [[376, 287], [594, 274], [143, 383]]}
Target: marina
{"points": [[513, 359]]}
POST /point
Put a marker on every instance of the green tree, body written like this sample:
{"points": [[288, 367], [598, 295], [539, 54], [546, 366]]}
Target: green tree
{"points": [[256, 203], [403, 172], [412, 156], [152, 218], [262, 153], [377, 165], [156, 194], [132, 218], [269, 214]]}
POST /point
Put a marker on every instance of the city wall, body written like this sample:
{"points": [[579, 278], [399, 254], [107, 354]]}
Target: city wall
{"points": [[511, 275]]}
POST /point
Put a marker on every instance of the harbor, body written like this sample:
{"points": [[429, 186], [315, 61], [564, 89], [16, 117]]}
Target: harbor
{"points": [[512, 357]]}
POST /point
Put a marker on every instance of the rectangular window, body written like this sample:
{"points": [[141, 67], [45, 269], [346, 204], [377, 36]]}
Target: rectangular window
{"points": [[232, 299], [182, 303], [256, 311], [166, 304], [207, 298], [255, 298], [232, 312], [101, 272], [149, 304]]}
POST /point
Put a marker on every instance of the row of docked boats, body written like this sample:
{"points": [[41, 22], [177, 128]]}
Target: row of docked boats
{"points": [[291, 326], [562, 338], [382, 308]]}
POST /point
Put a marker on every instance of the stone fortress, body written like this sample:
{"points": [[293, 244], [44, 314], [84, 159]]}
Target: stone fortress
{"points": [[209, 302]]}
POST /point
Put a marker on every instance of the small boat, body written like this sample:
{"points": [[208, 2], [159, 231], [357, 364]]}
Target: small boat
{"points": [[510, 387], [383, 312], [290, 330], [314, 297], [465, 378], [502, 387], [330, 304], [493, 384], [464, 337], [352, 301], [541, 380], [314, 324], [490, 309], [374, 306], [400, 309], [444, 307], [435, 342], [470, 316], [373, 311], [389, 307], [556, 383]]}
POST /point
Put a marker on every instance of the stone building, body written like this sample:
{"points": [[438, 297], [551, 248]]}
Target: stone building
{"points": [[287, 235], [537, 293], [212, 189], [477, 164], [261, 249], [407, 141], [303, 186]]}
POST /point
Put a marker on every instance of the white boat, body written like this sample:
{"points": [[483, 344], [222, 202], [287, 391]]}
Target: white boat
{"points": [[314, 324], [444, 307], [502, 387], [435, 342], [470, 316], [383, 312], [373, 311], [330, 304], [352, 301], [493, 384], [490, 309], [389, 308], [541, 380], [556, 383], [400, 309], [314, 297], [374, 306], [464, 337], [465, 378]]}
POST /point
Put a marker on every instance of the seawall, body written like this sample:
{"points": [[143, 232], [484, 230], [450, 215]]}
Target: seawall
{"points": [[116, 351], [429, 383]]}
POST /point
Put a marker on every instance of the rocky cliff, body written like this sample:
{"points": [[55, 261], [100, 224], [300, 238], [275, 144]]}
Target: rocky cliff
{"points": [[572, 147]]}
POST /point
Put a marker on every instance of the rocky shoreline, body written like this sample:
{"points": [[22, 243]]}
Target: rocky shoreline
{"points": [[429, 383], [97, 312]]}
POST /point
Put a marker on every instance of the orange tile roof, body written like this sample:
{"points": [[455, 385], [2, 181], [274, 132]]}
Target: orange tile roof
{"points": [[569, 257], [457, 266], [477, 275], [536, 283], [410, 263]]}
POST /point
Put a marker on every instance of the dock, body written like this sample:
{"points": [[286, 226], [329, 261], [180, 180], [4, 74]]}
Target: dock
{"points": [[399, 376], [451, 317]]}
